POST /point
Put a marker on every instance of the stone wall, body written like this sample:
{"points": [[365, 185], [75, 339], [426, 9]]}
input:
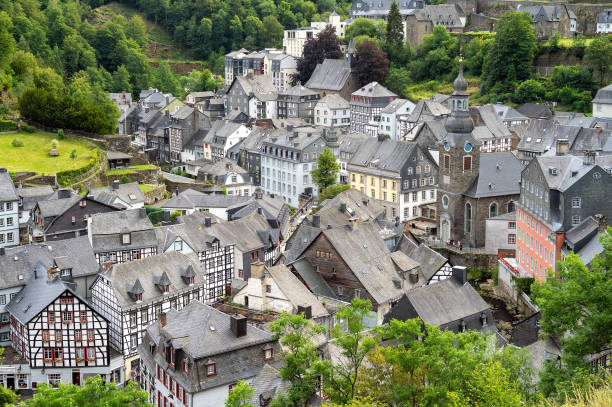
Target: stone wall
{"points": [[151, 177], [122, 143], [155, 195]]}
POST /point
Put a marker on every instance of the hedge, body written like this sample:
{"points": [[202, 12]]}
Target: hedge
{"points": [[7, 125], [65, 178], [156, 215]]}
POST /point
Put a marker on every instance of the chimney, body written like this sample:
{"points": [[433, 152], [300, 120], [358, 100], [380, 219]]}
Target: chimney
{"points": [[162, 319], [167, 112], [342, 207], [116, 184], [306, 310], [353, 223], [316, 221], [260, 211], [589, 157], [63, 194], [414, 276], [460, 274], [142, 212], [176, 191], [207, 221], [257, 270], [365, 201], [238, 325], [562, 146]]}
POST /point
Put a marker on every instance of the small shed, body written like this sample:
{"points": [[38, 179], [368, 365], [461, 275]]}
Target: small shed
{"points": [[117, 159]]}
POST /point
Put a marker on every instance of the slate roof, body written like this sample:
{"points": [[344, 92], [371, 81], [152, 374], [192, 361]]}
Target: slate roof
{"points": [[374, 90], [535, 110], [192, 199], [299, 90], [204, 94], [605, 17], [499, 174], [129, 193], [255, 139], [350, 142], [295, 291], [299, 138], [151, 272], [578, 233], [565, 165], [368, 258], [449, 15], [505, 216], [31, 195], [53, 206], [387, 155], [435, 108], [107, 228], [430, 261], [444, 302], [117, 155], [331, 75], [394, 106], [507, 112], [313, 280], [334, 101], [543, 13], [190, 330], [358, 205], [177, 178], [303, 236], [260, 86], [604, 95], [486, 116], [183, 113], [221, 168], [37, 294], [267, 384]]}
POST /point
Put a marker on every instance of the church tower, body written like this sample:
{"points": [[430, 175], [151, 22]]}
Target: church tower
{"points": [[459, 163]]}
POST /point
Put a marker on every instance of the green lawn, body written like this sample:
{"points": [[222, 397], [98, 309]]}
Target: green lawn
{"points": [[34, 155], [131, 170], [146, 187]]}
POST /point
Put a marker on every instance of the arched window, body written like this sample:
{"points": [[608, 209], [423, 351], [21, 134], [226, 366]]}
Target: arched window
{"points": [[468, 218], [493, 210], [511, 206]]}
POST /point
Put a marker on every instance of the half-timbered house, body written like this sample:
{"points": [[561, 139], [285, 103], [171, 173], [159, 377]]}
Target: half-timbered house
{"points": [[433, 265], [118, 237], [55, 330], [216, 259], [194, 357], [132, 295]]}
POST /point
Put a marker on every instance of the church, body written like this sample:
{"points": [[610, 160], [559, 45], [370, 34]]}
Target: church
{"points": [[472, 187]]}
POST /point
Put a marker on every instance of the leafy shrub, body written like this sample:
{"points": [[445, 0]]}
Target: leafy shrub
{"points": [[27, 128], [7, 125], [65, 178], [54, 143], [156, 215], [17, 143], [333, 190], [174, 215], [529, 91], [124, 180], [60, 134]]}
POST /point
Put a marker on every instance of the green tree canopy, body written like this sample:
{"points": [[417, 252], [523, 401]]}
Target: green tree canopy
{"points": [[326, 173], [599, 55], [240, 395], [395, 27]]}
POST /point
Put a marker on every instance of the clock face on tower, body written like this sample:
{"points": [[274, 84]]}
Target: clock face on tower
{"points": [[468, 147], [446, 146]]}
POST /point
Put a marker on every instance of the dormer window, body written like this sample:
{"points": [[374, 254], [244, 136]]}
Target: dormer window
{"points": [[483, 319], [165, 289], [211, 369], [66, 273], [269, 354], [138, 297], [126, 239], [171, 356], [185, 366]]}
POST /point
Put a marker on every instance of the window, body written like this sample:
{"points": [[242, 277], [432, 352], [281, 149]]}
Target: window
{"points": [[83, 316], [357, 293], [268, 288], [54, 379], [211, 369], [185, 367], [45, 335], [48, 355], [340, 290], [58, 336], [493, 210], [467, 163], [91, 353], [511, 238], [66, 300], [66, 317], [80, 354], [576, 202], [126, 238], [133, 341], [90, 335], [575, 220], [468, 218], [133, 320], [78, 335], [445, 201], [446, 162], [511, 225], [269, 354]]}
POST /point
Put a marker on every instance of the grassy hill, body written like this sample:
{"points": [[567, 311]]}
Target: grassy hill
{"points": [[160, 47]]}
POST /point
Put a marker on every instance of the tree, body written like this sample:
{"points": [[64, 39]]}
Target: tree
{"points": [[599, 55], [302, 367], [529, 91], [354, 345], [510, 58], [326, 172], [398, 80], [374, 29], [240, 395], [60, 134], [121, 80], [372, 63], [272, 32], [395, 27], [325, 45], [73, 154], [95, 392], [137, 30], [333, 190], [575, 306]]}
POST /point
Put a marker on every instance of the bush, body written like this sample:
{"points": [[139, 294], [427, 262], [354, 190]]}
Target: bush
{"points": [[65, 178], [17, 143], [27, 128], [174, 215], [156, 215], [60, 134], [73, 154], [124, 180], [529, 91], [333, 190], [54, 144], [7, 125]]}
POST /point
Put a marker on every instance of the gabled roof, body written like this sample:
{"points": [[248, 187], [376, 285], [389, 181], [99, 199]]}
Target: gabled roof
{"points": [[605, 17], [508, 113], [430, 261], [570, 169], [192, 199], [499, 175], [183, 113], [387, 155], [604, 95], [486, 116], [449, 15], [53, 206], [374, 90], [267, 384], [202, 332], [331, 75], [334, 101], [299, 90], [117, 155], [578, 233], [535, 110], [260, 86], [295, 291], [129, 193], [110, 223], [152, 272], [394, 106]]}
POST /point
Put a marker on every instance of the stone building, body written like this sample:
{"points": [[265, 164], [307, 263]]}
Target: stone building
{"points": [[422, 22], [551, 19], [472, 186], [297, 103]]}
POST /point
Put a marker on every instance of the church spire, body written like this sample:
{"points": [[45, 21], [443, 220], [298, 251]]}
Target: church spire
{"points": [[459, 121]]}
